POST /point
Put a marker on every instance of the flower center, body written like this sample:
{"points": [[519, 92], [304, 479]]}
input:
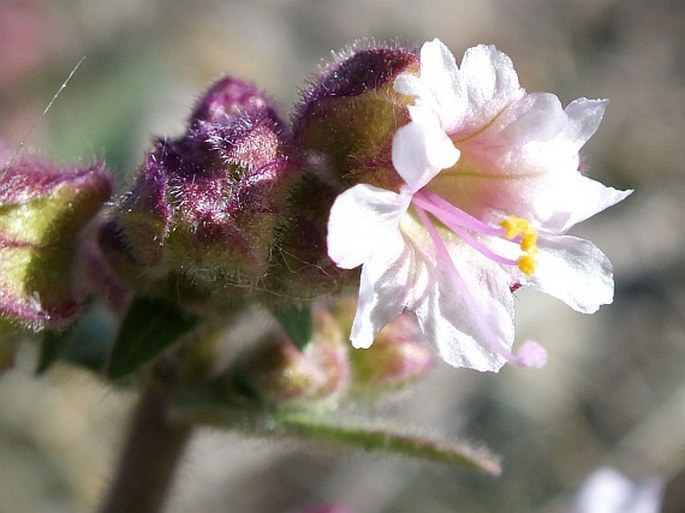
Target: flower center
{"points": [[468, 228]]}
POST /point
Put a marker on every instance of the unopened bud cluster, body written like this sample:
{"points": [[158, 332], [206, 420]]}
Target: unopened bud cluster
{"points": [[232, 212], [207, 204], [240, 202], [327, 370]]}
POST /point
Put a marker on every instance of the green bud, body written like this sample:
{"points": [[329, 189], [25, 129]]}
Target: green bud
{"points": [[347, 117], [397, 358], [42, 210], [279, 373]]}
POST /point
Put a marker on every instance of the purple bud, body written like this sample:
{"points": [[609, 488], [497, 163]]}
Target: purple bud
{"points": [[208, 204], [347, 117], [43, 208], [228, 99], [343, 129]]}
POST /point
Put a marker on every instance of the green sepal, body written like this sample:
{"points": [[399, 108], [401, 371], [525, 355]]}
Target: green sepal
{"points": [[149, 327], [297, 322]]}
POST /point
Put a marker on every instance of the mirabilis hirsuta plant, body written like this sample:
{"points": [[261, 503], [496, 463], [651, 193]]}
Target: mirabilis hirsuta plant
{"points": [[449, 186]]}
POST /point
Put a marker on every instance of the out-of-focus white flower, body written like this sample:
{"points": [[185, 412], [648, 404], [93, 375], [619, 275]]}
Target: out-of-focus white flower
{"points": [[607, 491], [491, 184]]}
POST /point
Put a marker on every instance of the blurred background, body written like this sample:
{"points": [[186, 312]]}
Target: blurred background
{"points": [[613, 392]]}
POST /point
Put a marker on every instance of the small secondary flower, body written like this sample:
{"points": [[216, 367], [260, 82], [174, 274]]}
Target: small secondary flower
{"points": [[491, 183], [606, 490]]}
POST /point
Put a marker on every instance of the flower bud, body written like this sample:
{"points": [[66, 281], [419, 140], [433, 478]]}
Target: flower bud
{"points": [[207, 205], [302, 268], [343, 129], [42, 210], [347, 117], [397, 358], [226, 100], [279, 373]]}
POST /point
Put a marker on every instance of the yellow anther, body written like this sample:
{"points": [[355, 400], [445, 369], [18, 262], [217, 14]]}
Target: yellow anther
{"points": [[529, 240], [514, 227], [527, 263]]}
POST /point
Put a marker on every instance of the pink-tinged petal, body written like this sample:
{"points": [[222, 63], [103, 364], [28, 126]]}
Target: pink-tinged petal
{"points": [[383, 289], [584, 118], [447, 318], [536, 117], [361, 220], [419, 152], [410, 84], [489, 82], [575, 271], [442, 90], [574, 198]]}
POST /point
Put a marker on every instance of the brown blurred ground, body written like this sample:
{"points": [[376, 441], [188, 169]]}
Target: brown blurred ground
{"points": [[614, 390]]}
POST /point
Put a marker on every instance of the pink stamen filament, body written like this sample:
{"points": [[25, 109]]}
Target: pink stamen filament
{"points": [[481, 248], [457, 220], [492, 342], [432, 202]]}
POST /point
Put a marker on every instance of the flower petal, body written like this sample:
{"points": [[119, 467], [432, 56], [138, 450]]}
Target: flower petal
{"points": [[361, 220], [568, 200], [419, 152], [584, 118], [383, 290], [489, 82], [446, 317], [575, 271], [442, 91]]}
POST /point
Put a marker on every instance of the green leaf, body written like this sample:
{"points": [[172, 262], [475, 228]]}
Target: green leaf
{"points": [[85, 343], [297, 323], [150, 327], [52, 345], [390, 441], [339, 430]]}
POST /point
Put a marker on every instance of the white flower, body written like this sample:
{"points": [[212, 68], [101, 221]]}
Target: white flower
{"points": [[491, 184], [607, 491]]}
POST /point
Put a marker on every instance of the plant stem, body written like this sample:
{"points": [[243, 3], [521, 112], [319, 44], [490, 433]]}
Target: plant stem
{"points": [[150, 455]]}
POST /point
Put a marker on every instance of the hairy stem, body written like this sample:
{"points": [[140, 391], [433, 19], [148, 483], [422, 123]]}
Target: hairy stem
{"points": [[149, 457]]}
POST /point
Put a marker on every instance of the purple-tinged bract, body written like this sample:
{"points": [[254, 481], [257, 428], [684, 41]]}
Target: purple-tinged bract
{"points": [[347, 117], [207, 205], [43, 208]]}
